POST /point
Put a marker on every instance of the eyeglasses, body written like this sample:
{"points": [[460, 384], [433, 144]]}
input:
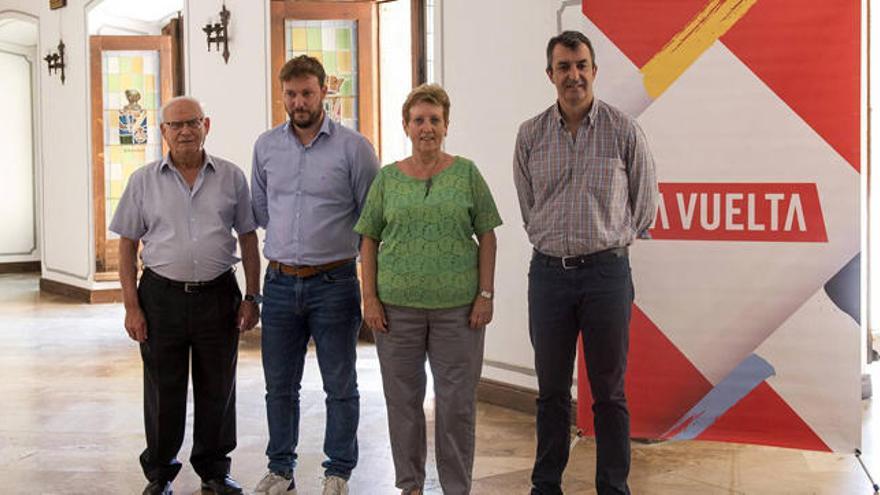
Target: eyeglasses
{"points": [[180, 124]]}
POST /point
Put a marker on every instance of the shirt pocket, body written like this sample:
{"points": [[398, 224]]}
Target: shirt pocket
{"points": [[549, 179], [605, 181]]}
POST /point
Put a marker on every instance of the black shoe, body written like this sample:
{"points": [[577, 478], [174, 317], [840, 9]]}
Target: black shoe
{"points": [[158, 488], [222, 486]]}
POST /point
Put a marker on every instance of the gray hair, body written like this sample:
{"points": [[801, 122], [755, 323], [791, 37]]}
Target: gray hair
{"points": [[570, 40], [178, 99]]}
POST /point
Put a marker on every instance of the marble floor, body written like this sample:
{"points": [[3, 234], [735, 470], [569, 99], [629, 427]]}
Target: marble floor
{"points": [[71, 423]]}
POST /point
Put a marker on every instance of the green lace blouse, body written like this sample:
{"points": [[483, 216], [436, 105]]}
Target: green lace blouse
{"points": [[427, 250]]}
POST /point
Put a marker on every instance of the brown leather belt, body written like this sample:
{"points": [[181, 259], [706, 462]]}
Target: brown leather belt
{"points": [[306, 271]]}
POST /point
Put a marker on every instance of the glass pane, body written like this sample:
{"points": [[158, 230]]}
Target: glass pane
{"points": [[131, 127], [334, 43]]}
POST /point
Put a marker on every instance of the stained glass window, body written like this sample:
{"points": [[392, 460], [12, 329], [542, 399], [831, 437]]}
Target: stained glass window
{"points": [[334, 44], [131, 126]]}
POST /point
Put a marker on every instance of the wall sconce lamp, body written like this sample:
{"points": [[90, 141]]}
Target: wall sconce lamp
{"points": [[217, 33], [55, 61]]}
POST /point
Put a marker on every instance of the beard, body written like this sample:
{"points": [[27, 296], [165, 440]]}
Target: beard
{"points": [[304, 119]]}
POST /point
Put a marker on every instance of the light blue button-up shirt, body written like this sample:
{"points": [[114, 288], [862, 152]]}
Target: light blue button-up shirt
{"points": [[308, 198], [186, 233]]}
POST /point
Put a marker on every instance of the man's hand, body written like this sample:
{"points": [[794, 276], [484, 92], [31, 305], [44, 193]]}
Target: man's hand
{"points": [[136, 324], [248, 315], [481, 312], [374, 315]]}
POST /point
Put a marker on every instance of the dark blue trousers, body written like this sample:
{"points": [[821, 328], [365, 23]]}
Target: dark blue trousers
{"points": [[594, 299]]}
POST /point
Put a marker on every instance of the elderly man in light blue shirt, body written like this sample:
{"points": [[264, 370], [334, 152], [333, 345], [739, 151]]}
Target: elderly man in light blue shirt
{"points": [[310, 180], [188, 306]]}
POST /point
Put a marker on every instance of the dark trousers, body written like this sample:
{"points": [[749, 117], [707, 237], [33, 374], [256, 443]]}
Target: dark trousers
{"points": [[200, 326], [595, 300]]}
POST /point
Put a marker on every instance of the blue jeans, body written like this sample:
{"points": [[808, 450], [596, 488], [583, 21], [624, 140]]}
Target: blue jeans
{"points": [[594, 300], [327, 308]]}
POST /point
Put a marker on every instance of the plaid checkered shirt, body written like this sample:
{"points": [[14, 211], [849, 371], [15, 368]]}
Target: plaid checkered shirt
{"points": [[589, 193]]}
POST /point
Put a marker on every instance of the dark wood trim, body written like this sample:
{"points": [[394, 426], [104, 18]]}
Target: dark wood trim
{"points": [[174, 29], [418, 33], [514, 397], [80, 294], [506, 395], [20, 267]]}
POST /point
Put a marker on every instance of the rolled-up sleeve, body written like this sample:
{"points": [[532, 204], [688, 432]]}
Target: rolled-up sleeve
{"points": [[128, 220], [259, 200], [363, 172], [244, 214], [642, 175]]}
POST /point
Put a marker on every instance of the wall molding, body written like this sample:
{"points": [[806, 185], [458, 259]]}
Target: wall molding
{"points": [[20, 267], [513, 397], [90, 296]]}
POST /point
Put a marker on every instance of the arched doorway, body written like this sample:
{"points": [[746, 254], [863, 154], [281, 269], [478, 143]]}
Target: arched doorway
{"points": [[19, 150]]}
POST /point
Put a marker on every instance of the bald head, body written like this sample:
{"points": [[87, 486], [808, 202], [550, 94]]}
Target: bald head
{"points": [[184, 128], [185, 103]]}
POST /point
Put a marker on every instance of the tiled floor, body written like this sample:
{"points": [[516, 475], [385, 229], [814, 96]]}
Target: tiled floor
{"points": [[71, 423]]}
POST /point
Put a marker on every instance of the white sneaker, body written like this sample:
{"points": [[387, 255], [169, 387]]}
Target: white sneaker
{"points": [[334, 485], [275, 484]]}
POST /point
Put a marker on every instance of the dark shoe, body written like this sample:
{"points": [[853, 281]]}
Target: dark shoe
{"points": [[158, 488], [222, 486]]}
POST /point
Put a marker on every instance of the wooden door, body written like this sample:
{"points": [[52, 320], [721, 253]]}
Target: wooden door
{"points": [[131, 77], [320, 29]]}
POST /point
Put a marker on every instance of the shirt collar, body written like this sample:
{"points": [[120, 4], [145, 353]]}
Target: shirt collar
{"points": [[589, 119], [208, 163], [328, 127]]}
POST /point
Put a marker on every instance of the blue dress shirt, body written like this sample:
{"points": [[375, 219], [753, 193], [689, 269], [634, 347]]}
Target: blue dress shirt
{"points": [[186, 232], [308, 198]]}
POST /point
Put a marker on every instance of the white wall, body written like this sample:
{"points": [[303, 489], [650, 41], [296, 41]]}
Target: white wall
{"points": [[68, 253], [234, 94], [395, 73], [495, 79], [18, 240]]}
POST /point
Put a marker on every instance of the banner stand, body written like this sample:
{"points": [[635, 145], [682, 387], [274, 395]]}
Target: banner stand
{"points": [[858, 454]]}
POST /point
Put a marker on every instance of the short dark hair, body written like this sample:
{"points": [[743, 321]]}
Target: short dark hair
{"points": [[303, 65], [570, 40]]}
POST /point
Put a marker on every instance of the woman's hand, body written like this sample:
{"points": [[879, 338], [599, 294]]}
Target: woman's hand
{"points": [[481, 312], [374, 315]]}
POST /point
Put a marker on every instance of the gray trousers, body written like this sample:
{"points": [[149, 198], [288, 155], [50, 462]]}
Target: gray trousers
{"points": [[455, 352]]}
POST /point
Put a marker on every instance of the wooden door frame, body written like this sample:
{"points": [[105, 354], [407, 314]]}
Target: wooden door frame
{"points": [[366, 13], [418, 30], [97, 45]]}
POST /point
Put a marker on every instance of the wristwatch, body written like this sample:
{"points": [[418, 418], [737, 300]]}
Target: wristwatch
{"points": [[485, 294], [254, 298]]}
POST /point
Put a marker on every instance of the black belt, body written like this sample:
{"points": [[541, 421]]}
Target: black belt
{"points": [[573, 262], [189, 287]]}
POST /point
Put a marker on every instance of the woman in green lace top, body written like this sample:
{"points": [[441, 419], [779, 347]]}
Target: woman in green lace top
{"points": [[428, 286]]}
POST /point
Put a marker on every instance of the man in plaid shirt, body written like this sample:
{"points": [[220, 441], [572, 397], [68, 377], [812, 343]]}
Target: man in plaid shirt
{"points": [[587, 188]]}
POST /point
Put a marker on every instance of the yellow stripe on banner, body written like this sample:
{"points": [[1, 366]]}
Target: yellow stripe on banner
{"points": [[687, 46]]}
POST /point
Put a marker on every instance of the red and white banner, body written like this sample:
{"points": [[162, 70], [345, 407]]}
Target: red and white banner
{"points": [[745, 326]]}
